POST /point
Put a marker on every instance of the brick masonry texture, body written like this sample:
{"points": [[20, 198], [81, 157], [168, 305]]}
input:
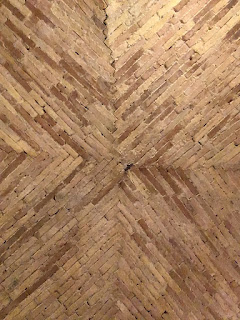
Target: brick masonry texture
{"points": [[119, 159]]}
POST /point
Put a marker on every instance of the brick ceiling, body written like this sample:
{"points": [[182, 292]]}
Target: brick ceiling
{"points": [[119, 159]]}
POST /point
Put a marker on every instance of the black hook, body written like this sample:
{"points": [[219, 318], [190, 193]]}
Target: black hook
{"points": [[128, 167]]}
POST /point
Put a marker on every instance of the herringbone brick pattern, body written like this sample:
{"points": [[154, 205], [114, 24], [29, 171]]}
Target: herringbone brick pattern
{"points": [[120, 159]]}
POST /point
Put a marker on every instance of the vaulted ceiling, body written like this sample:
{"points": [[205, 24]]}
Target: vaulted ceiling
{"points": [[120, 159]]}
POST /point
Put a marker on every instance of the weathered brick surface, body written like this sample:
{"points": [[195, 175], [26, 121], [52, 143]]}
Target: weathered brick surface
{"points": [[119, 159]]}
